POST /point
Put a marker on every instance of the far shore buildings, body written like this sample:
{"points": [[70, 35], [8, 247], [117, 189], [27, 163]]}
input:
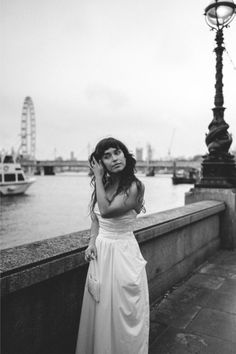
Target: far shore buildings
{"points": [[139, 154]]}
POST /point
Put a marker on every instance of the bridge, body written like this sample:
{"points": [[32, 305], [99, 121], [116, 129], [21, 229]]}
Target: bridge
{"points": [[56, 166]]}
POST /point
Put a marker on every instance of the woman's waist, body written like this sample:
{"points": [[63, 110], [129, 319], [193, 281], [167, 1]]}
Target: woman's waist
{"points": [[118, 227], [115, 233]]}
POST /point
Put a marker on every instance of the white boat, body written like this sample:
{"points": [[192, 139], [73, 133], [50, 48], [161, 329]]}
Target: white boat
{"points": [[12, 178]]}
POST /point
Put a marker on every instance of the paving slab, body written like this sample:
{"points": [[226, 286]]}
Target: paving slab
{"points": [[216, 324], [174, 341], [199, 315], [208, 281], [173, 313], [156, 330], [225, 302], [225, 271], [228, 286], [187, 294]]}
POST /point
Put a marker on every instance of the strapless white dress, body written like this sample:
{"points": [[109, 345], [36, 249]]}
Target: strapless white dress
{"points": [[119, 322]]}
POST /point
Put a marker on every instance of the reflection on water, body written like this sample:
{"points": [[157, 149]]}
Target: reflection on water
{"points": [[58, 205]]}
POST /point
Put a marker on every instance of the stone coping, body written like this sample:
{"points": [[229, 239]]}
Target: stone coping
{"points": [[172, 219], [21, 258]]}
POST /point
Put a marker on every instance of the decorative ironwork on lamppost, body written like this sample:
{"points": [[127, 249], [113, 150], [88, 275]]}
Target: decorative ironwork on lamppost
{"points": [[218, 166]]}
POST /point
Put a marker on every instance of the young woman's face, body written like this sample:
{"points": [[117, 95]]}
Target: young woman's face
{"points": [[114, 160]]}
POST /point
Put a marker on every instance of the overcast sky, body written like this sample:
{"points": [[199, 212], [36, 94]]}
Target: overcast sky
{"points": [[139, 70]]}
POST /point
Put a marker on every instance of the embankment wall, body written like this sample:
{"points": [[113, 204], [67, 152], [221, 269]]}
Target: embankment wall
{"points": [[43, 282]]}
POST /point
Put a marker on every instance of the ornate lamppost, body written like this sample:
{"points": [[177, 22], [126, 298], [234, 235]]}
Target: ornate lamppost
{"points": [[218, 166]]}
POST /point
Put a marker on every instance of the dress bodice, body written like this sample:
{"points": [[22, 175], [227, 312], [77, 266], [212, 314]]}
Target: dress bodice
{"points": [[123, 223]]}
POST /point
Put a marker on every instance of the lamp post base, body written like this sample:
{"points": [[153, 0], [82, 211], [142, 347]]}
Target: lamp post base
{"points": [[218, 172]]}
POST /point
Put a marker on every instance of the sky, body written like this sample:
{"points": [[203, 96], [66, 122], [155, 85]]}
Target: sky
{"points": [[142, 71]]}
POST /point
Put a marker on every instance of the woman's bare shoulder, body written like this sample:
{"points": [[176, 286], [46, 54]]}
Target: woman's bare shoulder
{"points": [[134, 186]]}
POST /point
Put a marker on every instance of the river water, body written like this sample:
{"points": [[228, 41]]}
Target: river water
{"points": [[58, 205]]}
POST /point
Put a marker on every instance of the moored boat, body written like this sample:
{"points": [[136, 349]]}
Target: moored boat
{"points": [[185, 177], [150, 172], [12, 178]]}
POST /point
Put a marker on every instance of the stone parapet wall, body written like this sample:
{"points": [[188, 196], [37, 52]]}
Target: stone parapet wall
{"points": [[43, 282], [228, 220]]}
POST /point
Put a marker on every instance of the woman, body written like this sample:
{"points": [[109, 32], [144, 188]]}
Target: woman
{"points": [[115, 312]]}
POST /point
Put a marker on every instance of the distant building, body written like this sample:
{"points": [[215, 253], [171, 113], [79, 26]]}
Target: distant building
{"points": [[139, 154], [72, 156], [149, 153], [59, 158]]}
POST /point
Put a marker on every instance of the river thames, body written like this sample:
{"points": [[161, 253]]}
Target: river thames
{"points": [[58, 205]]}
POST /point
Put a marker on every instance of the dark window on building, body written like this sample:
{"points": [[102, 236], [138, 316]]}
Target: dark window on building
{"points": [[9, 177], [20, 177], [8, 159]]}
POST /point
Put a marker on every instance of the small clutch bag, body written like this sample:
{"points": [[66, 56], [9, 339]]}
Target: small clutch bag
{"points": [[93, 282]]}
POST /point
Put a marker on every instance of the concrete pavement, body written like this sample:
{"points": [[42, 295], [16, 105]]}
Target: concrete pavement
{"points": [[199, 315]]}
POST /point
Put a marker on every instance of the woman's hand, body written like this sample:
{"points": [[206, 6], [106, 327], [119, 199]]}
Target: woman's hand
{"points": [[97, 168], [91, 253]]}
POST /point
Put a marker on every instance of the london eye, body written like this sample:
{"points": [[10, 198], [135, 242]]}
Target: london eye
{"points": [[28, 129]]}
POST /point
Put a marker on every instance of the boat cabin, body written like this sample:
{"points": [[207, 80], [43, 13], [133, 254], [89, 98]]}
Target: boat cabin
{"points": [[10, 171]]}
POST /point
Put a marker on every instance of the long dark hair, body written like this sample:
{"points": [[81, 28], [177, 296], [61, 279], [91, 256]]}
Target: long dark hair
{"points": [[127, 176]]}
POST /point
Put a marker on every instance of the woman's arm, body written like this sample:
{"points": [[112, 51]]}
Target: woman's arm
{"points": [[91, 251], [120, 204]]}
